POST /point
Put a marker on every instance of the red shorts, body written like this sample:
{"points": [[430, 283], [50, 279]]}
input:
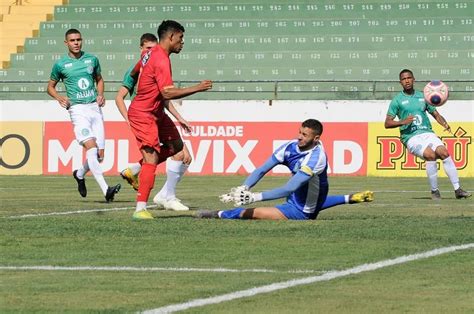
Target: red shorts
{"points": [[149, 130]]}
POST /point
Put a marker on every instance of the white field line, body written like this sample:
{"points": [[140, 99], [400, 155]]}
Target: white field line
{"points": [[153, 269], [74, 212], [304, 281], [86, 211]]}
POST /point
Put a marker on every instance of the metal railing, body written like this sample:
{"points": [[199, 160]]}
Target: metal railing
{"points": [[267, 89]]}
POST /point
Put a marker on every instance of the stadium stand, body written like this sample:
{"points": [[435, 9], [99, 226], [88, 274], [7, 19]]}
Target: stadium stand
{"points": [[21, 19], [266, 49]]}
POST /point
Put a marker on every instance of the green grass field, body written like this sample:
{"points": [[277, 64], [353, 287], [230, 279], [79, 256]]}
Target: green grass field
{"points": [[177, 258]]}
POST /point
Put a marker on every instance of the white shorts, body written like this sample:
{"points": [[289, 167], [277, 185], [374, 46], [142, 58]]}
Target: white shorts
{"points": [[88, 123], [419, 143]]}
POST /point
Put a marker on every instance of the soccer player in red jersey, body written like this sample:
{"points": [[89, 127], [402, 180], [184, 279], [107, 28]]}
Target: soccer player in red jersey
{"points": [[156, 134]]}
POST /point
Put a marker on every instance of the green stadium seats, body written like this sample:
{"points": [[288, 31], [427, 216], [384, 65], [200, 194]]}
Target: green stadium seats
{"points": [[248, 46], [219, 43], [257, 11]]}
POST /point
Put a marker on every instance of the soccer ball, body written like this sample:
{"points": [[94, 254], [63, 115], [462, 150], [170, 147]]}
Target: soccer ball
{"points": [[436, 93]]}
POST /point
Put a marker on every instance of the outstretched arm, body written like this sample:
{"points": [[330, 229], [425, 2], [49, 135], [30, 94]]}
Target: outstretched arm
{"points": [[292, 185], [244, 197], [258, 173], [441, 120], [171, 92]]}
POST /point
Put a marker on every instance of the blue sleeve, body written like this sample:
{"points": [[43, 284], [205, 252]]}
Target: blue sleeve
{"points": [[292, 185], [258, 173]]}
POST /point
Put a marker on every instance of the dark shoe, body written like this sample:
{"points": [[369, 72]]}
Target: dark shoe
{"points": [[81, 184], [111, 191], [435, 195], [460, 193], [208, 214]]}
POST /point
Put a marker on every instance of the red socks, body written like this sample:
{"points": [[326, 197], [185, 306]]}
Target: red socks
{"points": [[147, 181]]}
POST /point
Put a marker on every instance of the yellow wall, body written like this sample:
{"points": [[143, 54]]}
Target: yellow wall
{"points": [[388, 157], [21, 148]]}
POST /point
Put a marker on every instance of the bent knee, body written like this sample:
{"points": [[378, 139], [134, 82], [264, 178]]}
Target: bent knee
{"points": [[442, 152]]}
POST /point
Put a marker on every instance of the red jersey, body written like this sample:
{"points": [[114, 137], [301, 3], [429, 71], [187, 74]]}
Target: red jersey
{"points": [[155, 74]]}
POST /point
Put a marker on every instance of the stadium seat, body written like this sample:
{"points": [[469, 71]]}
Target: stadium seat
{"points": [[21, 20]]}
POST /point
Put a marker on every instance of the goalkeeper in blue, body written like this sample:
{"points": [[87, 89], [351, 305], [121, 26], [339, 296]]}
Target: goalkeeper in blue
{"points": [[306, 192]]}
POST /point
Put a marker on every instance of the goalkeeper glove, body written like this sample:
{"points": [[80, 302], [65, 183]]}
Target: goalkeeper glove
{"points": [[228, 197], [245, 197]]}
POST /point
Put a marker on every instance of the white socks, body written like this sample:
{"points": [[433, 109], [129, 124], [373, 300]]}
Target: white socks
{"points": [[140, 206], [449, 169], [432, 172], [451, 172], [135, 168], [81, 172], [95, 168], [174, 172]]}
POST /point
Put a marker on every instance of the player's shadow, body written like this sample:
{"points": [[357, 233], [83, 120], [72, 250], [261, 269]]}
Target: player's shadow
{"points": [[173, 216], [115, 202]]}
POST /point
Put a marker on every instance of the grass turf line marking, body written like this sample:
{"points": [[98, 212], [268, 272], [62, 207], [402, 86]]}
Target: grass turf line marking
{"points": [[153, 269], [308, 280], [85, 211]]}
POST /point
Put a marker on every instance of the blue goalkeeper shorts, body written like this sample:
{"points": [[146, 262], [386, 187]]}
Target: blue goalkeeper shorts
{"points": [[291, 212]]}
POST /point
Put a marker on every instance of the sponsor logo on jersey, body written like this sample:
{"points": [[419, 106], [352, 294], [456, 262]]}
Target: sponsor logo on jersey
{"points": [[145, 58], [68, 65], [87, 61]]}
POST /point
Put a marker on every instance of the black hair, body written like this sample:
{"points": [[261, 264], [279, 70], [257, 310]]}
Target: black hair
{"points": [[405, 71], [72, 31], [169, 26], [147, 37], [314, 125]]}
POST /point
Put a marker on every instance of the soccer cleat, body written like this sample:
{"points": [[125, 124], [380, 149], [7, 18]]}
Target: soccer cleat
{"points": [[111, 191], [142, 215], [360, 197], [207, 214], [460, 193], [160, 201], [81, 184], [435, 195], [131, 178], [175, 204]]}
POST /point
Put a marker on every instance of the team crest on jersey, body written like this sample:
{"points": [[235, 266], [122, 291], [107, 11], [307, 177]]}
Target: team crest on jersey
{"points": [[145, 58], [83, 83], [85, 132], [90, 69]]}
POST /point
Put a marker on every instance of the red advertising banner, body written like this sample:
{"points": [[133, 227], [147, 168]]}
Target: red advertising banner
{"points": [[216, 147]]}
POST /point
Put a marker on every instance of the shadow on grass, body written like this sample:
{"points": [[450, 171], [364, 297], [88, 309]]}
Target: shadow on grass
{"points": [[158, 217]]}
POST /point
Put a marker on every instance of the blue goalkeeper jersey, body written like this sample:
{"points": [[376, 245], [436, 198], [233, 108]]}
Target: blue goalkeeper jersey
{"points": [[312, 163]]}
